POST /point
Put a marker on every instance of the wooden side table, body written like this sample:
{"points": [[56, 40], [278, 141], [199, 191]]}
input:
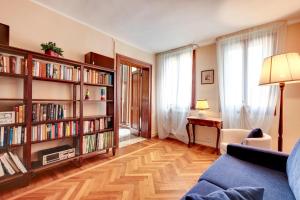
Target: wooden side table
{"points": [[207, 121]]}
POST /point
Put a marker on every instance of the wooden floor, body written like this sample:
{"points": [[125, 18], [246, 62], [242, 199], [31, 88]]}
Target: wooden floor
{"points": [[152, 169]]}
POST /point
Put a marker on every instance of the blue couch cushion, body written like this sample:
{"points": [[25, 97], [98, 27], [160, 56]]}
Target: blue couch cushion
{"points": [[293, 170], [229, 172], [240, 193], [203, 188]]}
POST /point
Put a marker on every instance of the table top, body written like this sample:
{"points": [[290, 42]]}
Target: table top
{"points": [[205, 118]]}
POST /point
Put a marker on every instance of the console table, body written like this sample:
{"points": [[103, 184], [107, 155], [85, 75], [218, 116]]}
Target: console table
{"points": [[205, 121]]}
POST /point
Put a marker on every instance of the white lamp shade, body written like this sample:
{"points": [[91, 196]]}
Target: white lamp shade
{"points": [[202, 104], [280, 68]]}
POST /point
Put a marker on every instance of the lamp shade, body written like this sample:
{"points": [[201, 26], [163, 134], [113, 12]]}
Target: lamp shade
{"points": [[280, 68], [202, 104]]}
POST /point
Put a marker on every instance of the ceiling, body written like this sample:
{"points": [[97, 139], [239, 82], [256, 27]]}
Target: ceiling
{"points": [[160, 25]]}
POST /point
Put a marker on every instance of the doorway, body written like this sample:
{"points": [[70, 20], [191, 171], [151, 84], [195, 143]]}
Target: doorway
{"points": [[133, 100]]}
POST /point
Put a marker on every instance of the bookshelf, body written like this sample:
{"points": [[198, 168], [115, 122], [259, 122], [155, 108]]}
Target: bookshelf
{"points": [[41, 129]]}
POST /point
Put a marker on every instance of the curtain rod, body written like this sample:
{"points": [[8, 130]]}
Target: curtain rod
{"points": [[178, 48]]}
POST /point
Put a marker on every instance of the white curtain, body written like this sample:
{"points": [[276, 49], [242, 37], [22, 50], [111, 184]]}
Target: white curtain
{"points": [[173, 92], [244, 103]]}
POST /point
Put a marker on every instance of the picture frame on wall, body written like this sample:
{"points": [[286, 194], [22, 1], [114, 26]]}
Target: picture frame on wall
{"points": [[207, 77]]}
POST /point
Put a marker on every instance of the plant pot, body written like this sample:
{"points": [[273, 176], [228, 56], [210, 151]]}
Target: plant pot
{"points": [[51, 53]]}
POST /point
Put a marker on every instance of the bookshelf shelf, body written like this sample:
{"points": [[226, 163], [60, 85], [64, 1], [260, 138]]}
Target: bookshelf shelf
{"points": [[54, 80], [77, 70], [49, 140], [56, 121], [12, 75], [99, 131]]}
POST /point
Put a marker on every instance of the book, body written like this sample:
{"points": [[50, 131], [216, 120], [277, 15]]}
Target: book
{"points": [[97, 77], [12, 64], [1, 170], [12, 135], [6, 165], [11, 163], [7, 117], [18, 162]]}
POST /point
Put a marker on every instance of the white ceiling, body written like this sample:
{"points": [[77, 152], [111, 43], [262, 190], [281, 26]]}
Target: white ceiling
{"points": [[159, 25]]}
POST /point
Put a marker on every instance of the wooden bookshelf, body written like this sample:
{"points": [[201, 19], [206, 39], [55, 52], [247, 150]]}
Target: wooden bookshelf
{"points": [[77, 110]]}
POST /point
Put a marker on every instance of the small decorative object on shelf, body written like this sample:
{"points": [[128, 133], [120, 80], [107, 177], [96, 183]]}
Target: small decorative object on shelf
{"points": [[51, 49], [87, 94]]}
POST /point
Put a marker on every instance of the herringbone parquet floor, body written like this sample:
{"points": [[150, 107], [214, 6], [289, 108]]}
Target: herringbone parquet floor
{"points": [[165, 169]]}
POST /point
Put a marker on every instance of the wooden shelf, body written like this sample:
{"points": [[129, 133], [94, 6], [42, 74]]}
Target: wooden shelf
{"points": [[54, 80], [11, 99], [99, 131], [52, 165], [53, 100], [11, 181], [13, 124], [49, 140], [97, 100], [56, 121], [98, 85], [94, 153], [92, 117], [12, 75]]}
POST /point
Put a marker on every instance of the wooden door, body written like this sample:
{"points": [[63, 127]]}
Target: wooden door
{"points": [[145, 105], [135, 102]]}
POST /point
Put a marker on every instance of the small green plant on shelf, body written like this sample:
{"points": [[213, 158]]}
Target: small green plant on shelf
{"points": [[51, 49]]}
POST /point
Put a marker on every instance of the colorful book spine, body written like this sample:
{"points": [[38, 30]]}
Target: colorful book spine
{"points": [[55, 71], [12, 135], [12, 64], [45, 132], [43, 112], [20, 113], [97, 77]]}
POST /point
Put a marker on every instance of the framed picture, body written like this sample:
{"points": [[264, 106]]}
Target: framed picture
{"points": [[207, 77]]}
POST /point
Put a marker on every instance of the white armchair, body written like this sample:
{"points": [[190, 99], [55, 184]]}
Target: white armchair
{"points": [[237, 136]]}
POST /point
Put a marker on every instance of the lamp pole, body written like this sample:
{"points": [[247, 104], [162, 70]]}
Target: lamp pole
{"points": [[280, 128]]}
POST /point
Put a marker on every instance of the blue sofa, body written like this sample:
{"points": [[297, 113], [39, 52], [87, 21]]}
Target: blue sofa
{"points": [[277, 173]]}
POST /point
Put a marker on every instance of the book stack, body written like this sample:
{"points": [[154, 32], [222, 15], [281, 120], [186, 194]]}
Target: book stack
{"points": [[103, 123], [20, 113], [88, 144], [105, 140], [50, 111], [10, 164], [12, 135], [88, 126], [12, 64], [54, 131], [55, 71], [97, 77]]}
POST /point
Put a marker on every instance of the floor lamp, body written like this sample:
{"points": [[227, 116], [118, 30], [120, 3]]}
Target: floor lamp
{"points": [[281, 69]]}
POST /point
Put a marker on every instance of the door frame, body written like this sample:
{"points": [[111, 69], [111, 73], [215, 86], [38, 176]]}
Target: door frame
{"points": [[121, 59]]}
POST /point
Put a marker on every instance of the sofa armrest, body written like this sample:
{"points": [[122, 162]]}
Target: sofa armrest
{"points": [[267, 158]]}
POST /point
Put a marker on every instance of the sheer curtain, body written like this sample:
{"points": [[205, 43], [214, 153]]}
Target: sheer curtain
{"points": [[173, 92], [244, 103]]}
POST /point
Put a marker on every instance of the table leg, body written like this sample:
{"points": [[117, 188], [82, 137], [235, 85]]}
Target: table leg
{"points": [[188, 132], [193, 125], [218, 138]]}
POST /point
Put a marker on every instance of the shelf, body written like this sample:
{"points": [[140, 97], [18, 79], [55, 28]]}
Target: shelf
{"points": [[11, 99], [54, 80], [11, 179], [97, 152], [98, 85], [100, 131], [92, 117], [13, 146], [49, 140], [45, 167], [52, 100], [13, 124], [91, 66], [96, 100], [12, 75], [56, 121]]}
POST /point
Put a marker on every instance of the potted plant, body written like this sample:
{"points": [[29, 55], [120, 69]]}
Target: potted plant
{"points": [[51, 49]]}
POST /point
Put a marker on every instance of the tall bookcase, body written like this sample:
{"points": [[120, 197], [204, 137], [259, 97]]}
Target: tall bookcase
{"points": [[77, 111]]}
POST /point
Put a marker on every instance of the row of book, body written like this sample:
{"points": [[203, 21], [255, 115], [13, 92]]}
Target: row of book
{"points": [[50, 111], [97, 142], [10, 164], [12, 135], [12, 64], [97, 77], [55, 71], [97, 125], [54, 131]]}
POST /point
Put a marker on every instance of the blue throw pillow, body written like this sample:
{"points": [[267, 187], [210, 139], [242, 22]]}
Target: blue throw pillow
{"points": [[255, 133], [293, 170], [238, 193]]}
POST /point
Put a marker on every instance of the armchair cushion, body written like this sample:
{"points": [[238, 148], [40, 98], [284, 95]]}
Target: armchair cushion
{"points": [[293, 170], [255, 133]]}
